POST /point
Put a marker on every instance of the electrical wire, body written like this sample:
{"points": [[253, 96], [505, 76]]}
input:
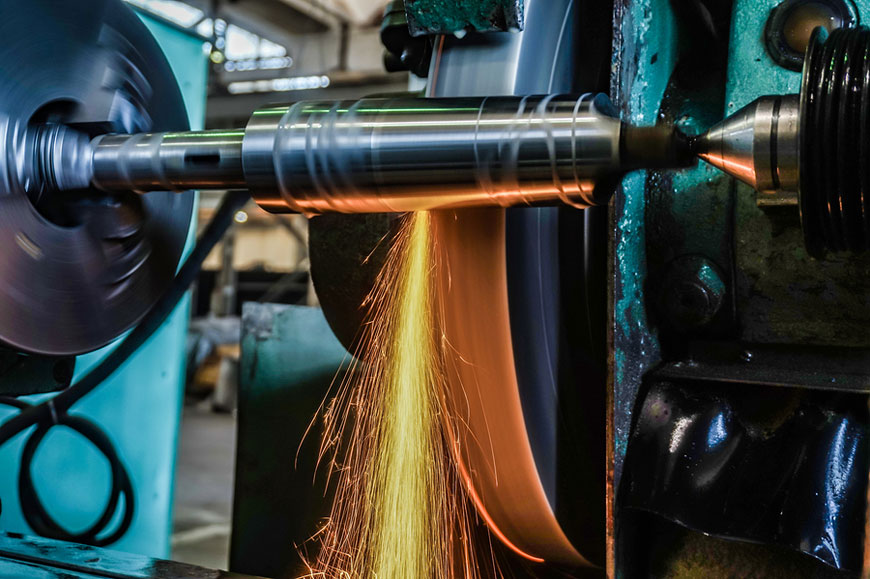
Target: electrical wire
{"points": [[54, 412]]}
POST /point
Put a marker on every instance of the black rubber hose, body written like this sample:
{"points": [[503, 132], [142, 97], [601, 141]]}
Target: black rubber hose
{"points": [[53, 412], [35, 513]]}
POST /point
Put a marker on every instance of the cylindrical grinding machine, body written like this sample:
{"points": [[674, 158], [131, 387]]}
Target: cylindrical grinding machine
{"points": [[95, 208]]}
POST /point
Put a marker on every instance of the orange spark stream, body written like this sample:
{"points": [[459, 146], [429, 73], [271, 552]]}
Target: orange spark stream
{"points": [[401, 510]]}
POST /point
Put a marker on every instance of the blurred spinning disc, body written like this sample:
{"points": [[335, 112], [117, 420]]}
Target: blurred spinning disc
{"points": [[79, 268], [516, 289]]}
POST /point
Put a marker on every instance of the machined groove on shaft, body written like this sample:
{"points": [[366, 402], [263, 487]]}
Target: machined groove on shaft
{"points": [[385, 155], [169, 161]]}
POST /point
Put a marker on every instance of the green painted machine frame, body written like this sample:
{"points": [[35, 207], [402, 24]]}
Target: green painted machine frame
{"points": [[457, 16], [778, 305], [290, 360]]}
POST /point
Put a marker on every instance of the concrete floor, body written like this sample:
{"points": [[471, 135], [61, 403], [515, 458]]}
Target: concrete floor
{"points": [[204, 487]]}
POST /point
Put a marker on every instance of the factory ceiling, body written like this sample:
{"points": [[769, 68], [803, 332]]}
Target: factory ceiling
{"points": [[278, 50]]}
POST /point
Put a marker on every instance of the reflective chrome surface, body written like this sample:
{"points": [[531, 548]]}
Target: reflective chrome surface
{"points": [[56, 157], [168, 161], [386, 155], [758, 144]]}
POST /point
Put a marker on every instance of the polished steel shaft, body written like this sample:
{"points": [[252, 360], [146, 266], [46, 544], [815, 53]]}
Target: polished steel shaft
{"points": [[168, 161], [391, 155], [412, 154]]}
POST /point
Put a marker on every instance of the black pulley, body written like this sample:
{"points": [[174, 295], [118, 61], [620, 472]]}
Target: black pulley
{"points": [[835, 141], [79, 268]]}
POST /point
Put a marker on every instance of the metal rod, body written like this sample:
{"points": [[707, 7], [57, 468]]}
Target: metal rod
{"points": [[383, 155], [169, 161], [405, 154], [399, 154]]}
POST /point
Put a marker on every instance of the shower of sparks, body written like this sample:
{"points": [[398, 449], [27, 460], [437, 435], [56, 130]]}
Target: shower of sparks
{"points": [[400, 509], [405, 493]]}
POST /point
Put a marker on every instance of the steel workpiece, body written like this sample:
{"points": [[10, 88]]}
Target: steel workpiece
{"points": [[397, 154]]}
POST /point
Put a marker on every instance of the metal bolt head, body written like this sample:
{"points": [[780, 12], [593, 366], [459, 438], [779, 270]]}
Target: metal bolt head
{"points": [[692, 293]]}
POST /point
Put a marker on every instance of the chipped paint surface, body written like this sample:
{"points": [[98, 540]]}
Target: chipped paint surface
{"points": [[699, 211], [773, 306], [644, 63], [455, 16], [751, 71]]}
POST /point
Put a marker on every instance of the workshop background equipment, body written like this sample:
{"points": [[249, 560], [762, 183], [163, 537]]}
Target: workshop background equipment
{"points": [[290, 360]]}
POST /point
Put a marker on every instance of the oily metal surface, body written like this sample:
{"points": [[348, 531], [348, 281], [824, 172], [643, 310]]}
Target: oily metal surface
{"points": [[79, 268], [782, 466]]}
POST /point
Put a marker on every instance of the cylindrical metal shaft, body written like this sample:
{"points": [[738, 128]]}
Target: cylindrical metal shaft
{"points": [[396, 154], [169, 161], [380, 155], [383, 155]]}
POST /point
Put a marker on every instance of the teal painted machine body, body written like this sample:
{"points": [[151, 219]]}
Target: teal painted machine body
{"points": [[448, 17], [139, 407], [662, 215], [290, 362], [777, 299]]}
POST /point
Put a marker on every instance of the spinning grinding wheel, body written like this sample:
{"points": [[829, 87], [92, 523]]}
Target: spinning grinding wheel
{"points": [[503, 275], [529, 402]]}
